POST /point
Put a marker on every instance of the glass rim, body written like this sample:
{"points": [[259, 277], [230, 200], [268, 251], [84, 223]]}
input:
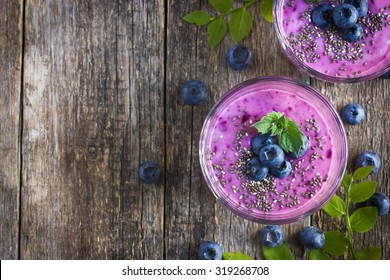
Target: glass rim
{"points": [[264, 217]]}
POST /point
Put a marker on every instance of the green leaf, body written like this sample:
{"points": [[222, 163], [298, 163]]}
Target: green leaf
{"points": [[291, 137], [346, 180], [281, 252], [335, 207], [240, 24], [362, 172], [266, 9], [222, 6], [335, 243], [362, 191], [236, 256], [216, 31], [318, 255], [265, 124], [199, 18], [363, 219], [370, 253]]}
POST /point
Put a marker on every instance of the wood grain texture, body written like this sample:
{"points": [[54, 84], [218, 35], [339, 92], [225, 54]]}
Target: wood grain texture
{"points": [[193, 215], [371, 135], [93, 111], [11, 15]]}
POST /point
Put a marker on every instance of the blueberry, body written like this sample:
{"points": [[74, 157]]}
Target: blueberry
{"points": [[282, 171], [360, 5], [193, 92], [271, 155], [149, 172], [322, 16], [368, 158], [380, 201], [302, 150], [386, 75], [353, 114], [260, 140], [209, 250], [271, 236], [352, 34], [255, 170], [345, 15], [239, 57], [312, 238]]}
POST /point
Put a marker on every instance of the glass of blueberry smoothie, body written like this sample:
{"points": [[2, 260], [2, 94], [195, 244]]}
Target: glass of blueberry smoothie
{"points": [[336, 40], [273, 150]]}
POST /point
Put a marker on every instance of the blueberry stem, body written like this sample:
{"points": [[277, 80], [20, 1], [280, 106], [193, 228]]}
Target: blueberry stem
{"points": [[348, 222], [249, 3]]}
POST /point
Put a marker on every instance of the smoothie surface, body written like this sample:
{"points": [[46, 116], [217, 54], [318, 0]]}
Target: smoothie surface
{"points": [[325, 51], [228, 150]]}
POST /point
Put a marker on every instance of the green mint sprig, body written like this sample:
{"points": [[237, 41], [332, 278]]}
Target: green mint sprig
{"points": [[288, 131], [360, 221], [240, 20]]}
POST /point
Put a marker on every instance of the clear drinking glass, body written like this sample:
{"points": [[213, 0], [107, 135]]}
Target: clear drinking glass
{"points": [[259, 87]]}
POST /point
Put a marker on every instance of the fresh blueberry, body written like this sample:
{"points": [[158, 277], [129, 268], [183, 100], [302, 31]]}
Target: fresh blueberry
{"points": [[360, 5], [345, 15], [271, 236], [353, 113], [386, 75], [368, 158], [209, 250], [271, 155], [322, 16], [312, 238], [283, 170], [352, 34], [255, 170], [302, 150], [260, 140], [149, 172], [239, 57], [380, 201], [193, 92]]}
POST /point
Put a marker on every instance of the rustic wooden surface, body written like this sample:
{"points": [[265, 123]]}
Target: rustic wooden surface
{"points": [[90, 89]]}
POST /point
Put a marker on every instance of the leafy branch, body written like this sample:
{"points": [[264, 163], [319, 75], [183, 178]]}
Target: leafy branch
{"points": [[360, 221], [240, 19]]}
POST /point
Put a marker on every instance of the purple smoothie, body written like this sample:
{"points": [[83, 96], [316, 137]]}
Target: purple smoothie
{"points": [[226, 150], [324, 52]]}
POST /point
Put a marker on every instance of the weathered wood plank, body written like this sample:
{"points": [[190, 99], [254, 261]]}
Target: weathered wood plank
{"points": [[93, 112], [11, 32], [193, 214], [372, 134]]}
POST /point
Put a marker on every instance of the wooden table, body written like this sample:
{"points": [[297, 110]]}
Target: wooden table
{"points": [[90, 90]]}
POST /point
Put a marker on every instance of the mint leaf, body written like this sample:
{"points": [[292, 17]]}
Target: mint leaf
{"points": [[346, 180], [292, 138], [362, 172], [335, 243], [335, 207], [281, 252], [269, 120], [363, 219], [235, 256], [199, 18], [370, 253], [318, 255], [362, 191], [240, 24], [216, 31], [289, 133], [266, 9], [222, 6]]}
